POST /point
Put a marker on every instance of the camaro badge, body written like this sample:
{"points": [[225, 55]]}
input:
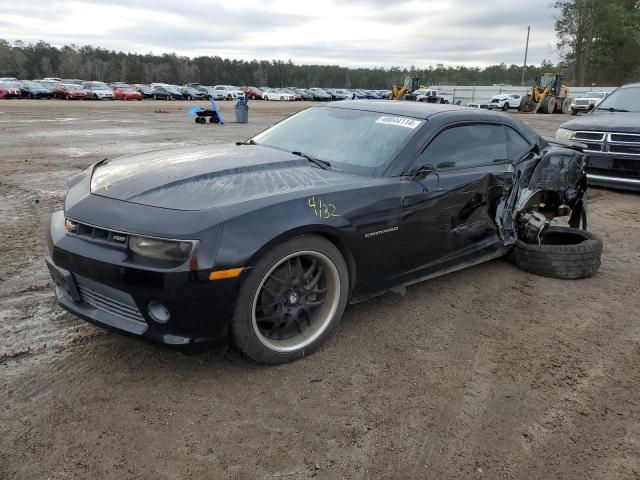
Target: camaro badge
{"points": [[381, 232]]}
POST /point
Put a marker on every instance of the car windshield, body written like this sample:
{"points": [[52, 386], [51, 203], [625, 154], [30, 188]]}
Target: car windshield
{"points": [[351, 140], [623, 100], [126, 89]]}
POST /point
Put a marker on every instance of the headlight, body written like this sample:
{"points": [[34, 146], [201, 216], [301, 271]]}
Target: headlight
{"points": [[564, 134], [159, 249]]}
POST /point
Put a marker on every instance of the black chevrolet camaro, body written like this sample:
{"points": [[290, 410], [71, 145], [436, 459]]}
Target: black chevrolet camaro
{"points": [[265, 242]]}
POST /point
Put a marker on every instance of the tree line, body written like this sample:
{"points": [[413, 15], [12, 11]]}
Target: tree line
{"points": [[599, 40], [38, 60]]}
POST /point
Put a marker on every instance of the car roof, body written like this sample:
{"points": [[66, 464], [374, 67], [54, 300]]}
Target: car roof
{"points": [[406, 108]]}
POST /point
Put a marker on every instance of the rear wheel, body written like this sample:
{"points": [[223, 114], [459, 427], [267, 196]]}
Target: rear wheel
{"points": [[290, 303]]}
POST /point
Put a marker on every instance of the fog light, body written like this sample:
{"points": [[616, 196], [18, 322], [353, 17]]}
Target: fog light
{"points": [[158, 312]]}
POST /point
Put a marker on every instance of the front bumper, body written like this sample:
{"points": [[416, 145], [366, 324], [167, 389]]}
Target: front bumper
{"points": [[613, 172], [582, 108], [116, 294]]}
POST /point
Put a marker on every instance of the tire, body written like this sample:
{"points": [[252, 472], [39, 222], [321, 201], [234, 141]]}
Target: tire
{"points": [[281, 99], [505, 107], [574, 112], [565, 253], [548, 105], [229, 97], [67, 97], [566, 106], [155, 97], [271, 290], [253, 97]]}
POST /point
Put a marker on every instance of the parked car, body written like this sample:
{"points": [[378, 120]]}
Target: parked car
{"points": [[31, 89], [504, 102], [47, 84], [191, 93], [70, 91], [263, 243], [127, 93], [305, 94], [611, 133], [227, 92], [277, 94], [586, 102], [145, 90], [9, 90], [296, 95], [98, 91], [212, 93], [164, 92], [254, 93], [320, 94], [8, 80], [339, 94], [430, 95]]}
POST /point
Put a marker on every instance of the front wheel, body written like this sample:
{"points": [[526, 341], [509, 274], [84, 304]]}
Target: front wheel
{"points": [[505, 107], [291, 301]]}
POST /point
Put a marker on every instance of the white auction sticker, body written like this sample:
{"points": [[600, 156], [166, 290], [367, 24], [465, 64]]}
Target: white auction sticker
{"points": [[398, 121]]}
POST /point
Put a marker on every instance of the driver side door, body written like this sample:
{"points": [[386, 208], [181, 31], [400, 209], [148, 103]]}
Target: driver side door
{"points": [[448, 212]]}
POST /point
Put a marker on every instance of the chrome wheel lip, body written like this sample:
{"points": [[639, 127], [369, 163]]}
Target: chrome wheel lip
{"points": [[319, 325]]}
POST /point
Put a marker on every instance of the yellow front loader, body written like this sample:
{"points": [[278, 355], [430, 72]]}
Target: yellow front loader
{"points": [[548, 95]]}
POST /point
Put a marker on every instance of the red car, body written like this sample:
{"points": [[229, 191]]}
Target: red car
{"points": [[126, 93], [10, 90], [69, 91], [253, 93]]}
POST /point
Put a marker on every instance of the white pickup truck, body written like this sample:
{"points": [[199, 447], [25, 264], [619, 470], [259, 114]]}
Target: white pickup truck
{"points": [[429, 95]]}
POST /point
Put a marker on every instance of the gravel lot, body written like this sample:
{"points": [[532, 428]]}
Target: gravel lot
{"points": [[485, 373]]}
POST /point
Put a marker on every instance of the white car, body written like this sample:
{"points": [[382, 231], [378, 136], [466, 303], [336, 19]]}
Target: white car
{"points": [[586, 102], [8, 80], [277, 94], [98, 90], [226, 92], [505, 102]]}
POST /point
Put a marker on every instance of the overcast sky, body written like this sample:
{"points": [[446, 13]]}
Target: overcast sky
{"points": [[350, 33]]}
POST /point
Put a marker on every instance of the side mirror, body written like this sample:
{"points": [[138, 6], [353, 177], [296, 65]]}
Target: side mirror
{"points": [[424, 171]]}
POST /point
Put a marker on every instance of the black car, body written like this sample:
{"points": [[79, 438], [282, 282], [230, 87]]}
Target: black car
{"points": [[31, 89], [611, 133], [266, 241], [145, 90], [165, 93]]}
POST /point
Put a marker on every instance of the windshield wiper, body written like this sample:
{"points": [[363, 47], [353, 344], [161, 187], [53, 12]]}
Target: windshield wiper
{"points": [[248, 142], [611, 109], [323, 164]]}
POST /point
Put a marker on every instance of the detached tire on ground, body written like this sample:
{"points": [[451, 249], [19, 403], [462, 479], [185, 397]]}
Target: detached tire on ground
{"points": [[565, 253], [291, 301]]}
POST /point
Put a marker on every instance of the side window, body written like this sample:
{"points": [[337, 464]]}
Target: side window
{"points": [[465, 147], [517, 146]]}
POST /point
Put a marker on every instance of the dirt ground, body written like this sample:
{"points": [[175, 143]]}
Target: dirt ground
{"points": [[486, 373]]}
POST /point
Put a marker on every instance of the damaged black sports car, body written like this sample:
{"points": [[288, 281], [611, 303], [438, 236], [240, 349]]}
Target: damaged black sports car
{"points": [[263, 243]]}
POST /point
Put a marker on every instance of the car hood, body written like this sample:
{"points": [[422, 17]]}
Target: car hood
{"points": [[204, 177], [606, 121]]}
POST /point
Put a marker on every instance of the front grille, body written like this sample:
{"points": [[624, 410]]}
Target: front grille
{"points": [[625, 137], [597, 136], [582, 102], [625, 149], [99, 235], [107, 304], [594, 147]]}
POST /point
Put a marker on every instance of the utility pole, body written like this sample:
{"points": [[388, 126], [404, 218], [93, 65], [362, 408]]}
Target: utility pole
{"points": [[526, 53]]}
